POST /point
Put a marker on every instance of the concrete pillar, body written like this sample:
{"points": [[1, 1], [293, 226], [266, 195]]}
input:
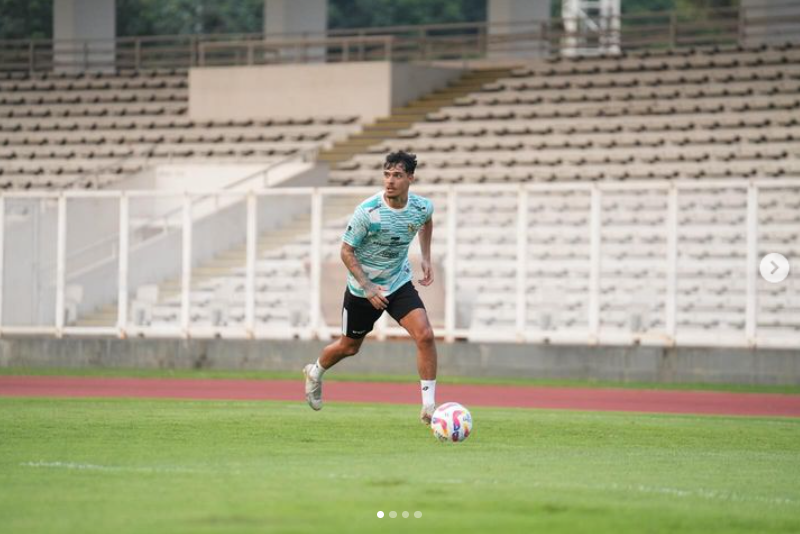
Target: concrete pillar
{"points": [[84, 32], [516, 28], [771, 22], [295, 20]]}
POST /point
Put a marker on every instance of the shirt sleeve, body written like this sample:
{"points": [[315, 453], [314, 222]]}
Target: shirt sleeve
{"points": [[430, 211], [357, 228]]}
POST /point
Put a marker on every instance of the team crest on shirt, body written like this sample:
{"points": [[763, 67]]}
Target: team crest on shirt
{"points": [[412, 228]]}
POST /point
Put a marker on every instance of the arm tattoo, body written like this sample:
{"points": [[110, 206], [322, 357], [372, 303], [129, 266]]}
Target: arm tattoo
{"points": [[349, 259]]}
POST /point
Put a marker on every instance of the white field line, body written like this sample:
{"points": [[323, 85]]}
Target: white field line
{"points": [[112, 468], [702, 493], [631, 488]]}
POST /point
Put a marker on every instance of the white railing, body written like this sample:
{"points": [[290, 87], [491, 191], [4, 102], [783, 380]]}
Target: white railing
{"points": [[259, 179], [451, 202]]}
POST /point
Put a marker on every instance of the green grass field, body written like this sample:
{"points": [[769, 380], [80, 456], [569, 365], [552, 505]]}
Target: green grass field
{"points": [[146, 466]]}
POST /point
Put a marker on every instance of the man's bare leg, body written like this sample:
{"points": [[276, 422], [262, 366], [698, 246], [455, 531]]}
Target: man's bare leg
{"points": [[339, 350], [331, 355], [419, 327]]}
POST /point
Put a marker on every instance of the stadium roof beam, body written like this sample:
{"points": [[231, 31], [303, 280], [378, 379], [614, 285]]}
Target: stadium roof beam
{"points": [[296, 18], [771, 22], [84, 33], [284, 18], [513, 23]]}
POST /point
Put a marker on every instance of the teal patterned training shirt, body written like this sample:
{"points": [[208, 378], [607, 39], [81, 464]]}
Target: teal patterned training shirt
{"points": [[381, 236]]}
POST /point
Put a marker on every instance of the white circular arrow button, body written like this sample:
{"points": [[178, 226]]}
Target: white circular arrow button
{"points": [[774, 267]]}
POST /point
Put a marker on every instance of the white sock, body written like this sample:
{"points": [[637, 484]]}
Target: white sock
{"points": [[428, 392], [317, 371]]}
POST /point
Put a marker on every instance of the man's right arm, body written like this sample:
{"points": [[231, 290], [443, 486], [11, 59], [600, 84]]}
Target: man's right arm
{"points": [[372, 292]]}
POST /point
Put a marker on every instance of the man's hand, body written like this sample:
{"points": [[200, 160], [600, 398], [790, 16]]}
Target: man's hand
{"points": [[427, 273], [374, 294]]}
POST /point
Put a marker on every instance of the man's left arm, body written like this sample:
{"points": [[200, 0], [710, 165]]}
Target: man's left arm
{"points": [[425, 236]]}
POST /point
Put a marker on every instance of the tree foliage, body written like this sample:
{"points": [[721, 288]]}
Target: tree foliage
{"points": [[26, 19], [20, 19], [182, 17], [376, 13]]}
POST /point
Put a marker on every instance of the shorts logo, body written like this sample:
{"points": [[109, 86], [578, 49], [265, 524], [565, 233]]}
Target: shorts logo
{"points": [[359, 331]]}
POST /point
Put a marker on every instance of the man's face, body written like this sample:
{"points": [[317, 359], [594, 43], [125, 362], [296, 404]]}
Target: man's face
{"points": [[396, 180]]}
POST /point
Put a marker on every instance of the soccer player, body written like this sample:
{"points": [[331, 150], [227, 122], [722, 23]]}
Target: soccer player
{"points": [[375, 251]]}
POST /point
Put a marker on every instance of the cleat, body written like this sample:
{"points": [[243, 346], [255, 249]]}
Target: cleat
{"points": [[426, 414], [313, 389]]}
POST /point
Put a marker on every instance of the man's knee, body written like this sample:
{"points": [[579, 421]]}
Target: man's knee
{"points": [[349, 347], [425, 336]]}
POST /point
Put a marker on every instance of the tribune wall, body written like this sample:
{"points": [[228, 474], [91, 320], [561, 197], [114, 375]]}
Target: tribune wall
{"points": [[366, 89], [623, 364]]}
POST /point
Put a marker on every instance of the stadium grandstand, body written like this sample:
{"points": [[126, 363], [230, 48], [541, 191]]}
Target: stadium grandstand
{"points": [[601, 179], [209, 211]]}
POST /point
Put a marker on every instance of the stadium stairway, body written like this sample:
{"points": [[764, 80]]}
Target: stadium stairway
{"points": [[404, 117], [224, 264]]}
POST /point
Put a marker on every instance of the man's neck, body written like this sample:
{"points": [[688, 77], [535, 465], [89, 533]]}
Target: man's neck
{"points": [[396, 203]]}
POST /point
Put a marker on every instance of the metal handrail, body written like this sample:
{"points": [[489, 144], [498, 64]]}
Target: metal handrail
{"points": [[251, 46], [304, 155], [183, 51]]}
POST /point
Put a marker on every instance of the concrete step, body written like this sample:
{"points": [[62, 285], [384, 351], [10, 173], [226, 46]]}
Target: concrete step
{"points": [[361, 142], [379, 136], [108, 316], [337, 155], [170, 286], [406, 116], [414, 112], [105, 316], [392, 126], [233, 254], [167, 294], [212, 271]]}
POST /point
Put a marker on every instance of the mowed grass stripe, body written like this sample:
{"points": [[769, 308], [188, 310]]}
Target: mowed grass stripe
{"points": [[151, 466]]}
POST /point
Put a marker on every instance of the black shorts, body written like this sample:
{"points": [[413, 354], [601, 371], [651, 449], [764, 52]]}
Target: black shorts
{"points": [[359, 316]]}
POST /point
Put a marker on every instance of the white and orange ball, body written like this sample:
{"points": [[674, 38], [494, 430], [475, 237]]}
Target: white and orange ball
{"points": [[451, 422]]}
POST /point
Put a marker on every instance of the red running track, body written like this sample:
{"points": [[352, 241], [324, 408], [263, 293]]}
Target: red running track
{"points": [[625, 400]]}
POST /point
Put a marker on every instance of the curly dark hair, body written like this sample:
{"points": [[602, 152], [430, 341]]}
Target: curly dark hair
{"points": [[408, 160]]}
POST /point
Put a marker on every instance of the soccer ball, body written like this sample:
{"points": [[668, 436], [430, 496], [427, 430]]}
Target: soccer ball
{"points": [[451, 422]]}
